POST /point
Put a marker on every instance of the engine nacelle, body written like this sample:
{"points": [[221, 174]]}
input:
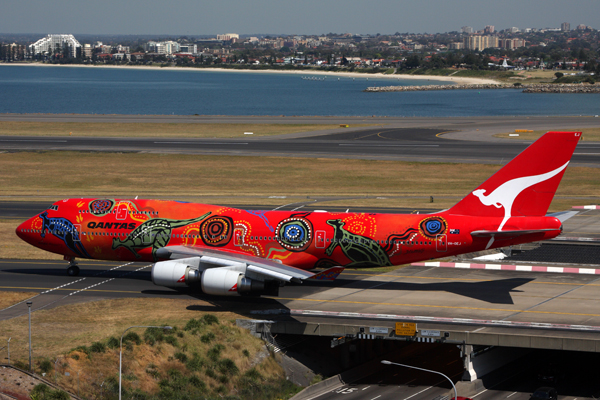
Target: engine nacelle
{"points": [[218, 281], [176, 273]]}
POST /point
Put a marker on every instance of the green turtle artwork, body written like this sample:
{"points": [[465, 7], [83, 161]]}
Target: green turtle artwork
{"points": [[363, 251]]}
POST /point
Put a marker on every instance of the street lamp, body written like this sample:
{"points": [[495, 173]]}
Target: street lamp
{"points": [[121, 348], [29, 306], [8, 345], [386, 362]]}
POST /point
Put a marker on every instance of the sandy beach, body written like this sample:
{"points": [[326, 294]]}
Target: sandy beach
{"points": [[451, 79]]}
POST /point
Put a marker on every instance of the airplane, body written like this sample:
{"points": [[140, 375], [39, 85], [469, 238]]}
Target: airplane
{"points": [[230, 252]]}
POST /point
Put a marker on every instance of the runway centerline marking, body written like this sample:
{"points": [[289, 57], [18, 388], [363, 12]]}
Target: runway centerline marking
{"points": [[389, 145], [191, 142]]}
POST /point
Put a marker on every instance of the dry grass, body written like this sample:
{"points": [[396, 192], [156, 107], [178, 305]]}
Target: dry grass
{"points": [[588, 134], [176, 176], [58, 331], [8, 299], [172, 176], [164, 130]]}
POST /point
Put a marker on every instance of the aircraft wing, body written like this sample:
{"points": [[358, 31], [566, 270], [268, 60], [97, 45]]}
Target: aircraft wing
{"points": [[262, 266]]}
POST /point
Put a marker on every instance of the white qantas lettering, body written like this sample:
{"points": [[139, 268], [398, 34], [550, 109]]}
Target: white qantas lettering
{"points": [[505, 194]]}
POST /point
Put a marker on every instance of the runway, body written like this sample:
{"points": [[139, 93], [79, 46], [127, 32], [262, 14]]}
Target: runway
{"points": [[418, 139]]}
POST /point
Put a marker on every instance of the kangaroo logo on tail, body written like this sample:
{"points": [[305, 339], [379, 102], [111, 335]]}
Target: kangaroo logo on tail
{"points": [[505, 194]]}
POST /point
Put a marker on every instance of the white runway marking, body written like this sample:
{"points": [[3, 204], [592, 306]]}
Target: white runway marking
{"points": [[197, 143]]}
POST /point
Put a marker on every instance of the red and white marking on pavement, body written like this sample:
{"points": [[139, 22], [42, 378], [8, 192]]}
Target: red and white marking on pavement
{"points": [[503, 267], [586, 207]]}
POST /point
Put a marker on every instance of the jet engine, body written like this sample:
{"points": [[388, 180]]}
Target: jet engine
{"points": [[219, 281]]}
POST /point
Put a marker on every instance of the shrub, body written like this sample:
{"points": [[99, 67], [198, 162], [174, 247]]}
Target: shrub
{"points": [[43, 392], [196, 382], [172, 340], [82, 349], [181, 357], [246, 353], [207, 338], [132, 337], [253, 374], [153, 335], [195, 364], [113, 343], [211, 373], [192, 324], [227, 367], [215, 352], [45, 366], [75, 356], [210, 319], [98, 347]]}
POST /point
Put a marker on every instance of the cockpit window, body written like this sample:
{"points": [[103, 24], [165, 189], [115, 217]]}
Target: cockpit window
{"points": [[53, 207]]}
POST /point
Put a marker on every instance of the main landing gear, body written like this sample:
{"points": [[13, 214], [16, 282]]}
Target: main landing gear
{"points": [[73, 269]]}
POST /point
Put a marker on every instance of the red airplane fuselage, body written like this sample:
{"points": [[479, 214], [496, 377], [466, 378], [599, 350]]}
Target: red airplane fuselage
{"points": [[133, 230]]}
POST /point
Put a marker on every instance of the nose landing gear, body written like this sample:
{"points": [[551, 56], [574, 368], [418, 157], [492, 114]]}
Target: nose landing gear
{"points": [[73, 269]]}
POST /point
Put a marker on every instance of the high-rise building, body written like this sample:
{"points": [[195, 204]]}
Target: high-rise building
{"points": [[489, 29], [55, 43], [511, 43], [477, 42], [565, 27], [581, 27], [467, 29]]}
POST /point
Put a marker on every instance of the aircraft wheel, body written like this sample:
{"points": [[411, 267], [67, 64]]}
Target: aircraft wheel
{"points": [[73, 271]]}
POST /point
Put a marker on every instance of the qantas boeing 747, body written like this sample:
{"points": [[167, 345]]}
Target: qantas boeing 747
{"points": [[228, 251]]}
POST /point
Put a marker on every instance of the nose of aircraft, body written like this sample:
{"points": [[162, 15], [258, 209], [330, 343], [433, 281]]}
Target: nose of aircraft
{"points": [[26, 230]]}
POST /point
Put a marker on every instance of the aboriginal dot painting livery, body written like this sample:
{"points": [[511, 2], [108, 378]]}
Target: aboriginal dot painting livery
{"points": [[229, 251]]}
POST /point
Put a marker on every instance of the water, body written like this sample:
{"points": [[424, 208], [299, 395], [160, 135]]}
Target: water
{"points": [[88, 90]]}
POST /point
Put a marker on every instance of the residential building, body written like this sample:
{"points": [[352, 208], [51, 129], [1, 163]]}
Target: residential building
{"points": [[489, 29], [565, 27], [477, 42], [53, 43], [467, 29], [457, 46], [511, 43]]}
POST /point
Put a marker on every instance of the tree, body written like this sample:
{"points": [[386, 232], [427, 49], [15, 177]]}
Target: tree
{"points": [[559, 75]]}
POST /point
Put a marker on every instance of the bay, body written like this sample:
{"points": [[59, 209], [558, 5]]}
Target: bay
{"points": [[96, 90]]}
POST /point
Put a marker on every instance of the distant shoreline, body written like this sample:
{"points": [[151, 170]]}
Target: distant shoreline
{"points": [[457, 80]]}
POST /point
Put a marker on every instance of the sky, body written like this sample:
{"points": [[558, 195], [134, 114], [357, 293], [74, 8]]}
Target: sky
{"points": [[313, 17]]}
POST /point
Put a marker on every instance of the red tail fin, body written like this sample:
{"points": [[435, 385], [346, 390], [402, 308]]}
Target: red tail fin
{"points": [[526, 185]]}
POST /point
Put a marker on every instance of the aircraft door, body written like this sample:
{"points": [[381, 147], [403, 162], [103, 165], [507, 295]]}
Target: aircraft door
{"points": [[122, 211], [441, 244], [238, 237], [320, 239], [77, 233]]}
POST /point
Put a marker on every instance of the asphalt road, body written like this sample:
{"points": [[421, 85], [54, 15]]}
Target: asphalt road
{"points": [[409, 139]]}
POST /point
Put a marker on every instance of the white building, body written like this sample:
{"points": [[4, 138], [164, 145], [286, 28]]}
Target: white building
{"points": [[51, 43], [228, 36]]}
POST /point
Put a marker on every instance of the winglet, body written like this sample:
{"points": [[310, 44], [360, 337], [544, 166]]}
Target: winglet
{"points": [[328, 275]]}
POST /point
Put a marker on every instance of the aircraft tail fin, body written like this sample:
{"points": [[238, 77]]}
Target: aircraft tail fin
{"points": [[526, 185]]}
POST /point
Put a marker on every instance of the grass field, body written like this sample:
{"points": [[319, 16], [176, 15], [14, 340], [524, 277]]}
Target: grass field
{"points": [[588, 134], [188, 130]]}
